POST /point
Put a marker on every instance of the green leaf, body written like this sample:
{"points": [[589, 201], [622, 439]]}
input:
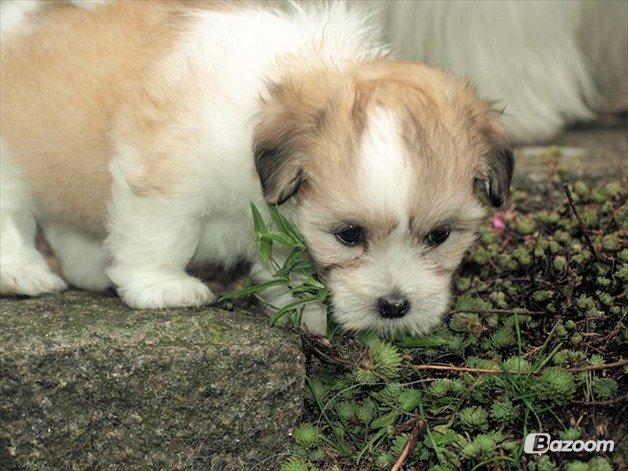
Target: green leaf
{"points": [[421, 342], [287, 227], [443, 436], [252, 289], [259, 226], [385, 420]]}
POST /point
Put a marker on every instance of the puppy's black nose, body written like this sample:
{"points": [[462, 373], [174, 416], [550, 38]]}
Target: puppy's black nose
{"points": [[392, 307]]}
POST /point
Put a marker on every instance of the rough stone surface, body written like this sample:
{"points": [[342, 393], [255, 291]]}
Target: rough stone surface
{"points": [[86, 383], [591, 153]]}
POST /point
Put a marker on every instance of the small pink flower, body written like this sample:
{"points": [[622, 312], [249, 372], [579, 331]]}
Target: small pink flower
{"points": [[498, 221]]}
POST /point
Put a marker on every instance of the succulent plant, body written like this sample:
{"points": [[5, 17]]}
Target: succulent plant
{"points": [[585, 302], [463, 283], [364, 376], [307, 435], [576, 339], [481, 256], [517, 365], [386, 360], [612, 189], [409, 399], [504, 337], [596, 360], [366, 411], [346, 410], [600, 464], [555, 385], [390, 395], [525, 225], [465, 322], [503, 411], [541, 295], [570, 433], [383, 461], [605, 388], [486, 443], [399, 443], [295, 464], [560, 263], [611, 243], [577, 466], [439, 388], [482, 363], [581, 189], [456, 386], [472, 418], [560, 358], [522, 255], [471, 450], [441, 467], [543, 464]]}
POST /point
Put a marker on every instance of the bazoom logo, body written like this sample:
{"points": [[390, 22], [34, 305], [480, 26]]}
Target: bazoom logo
{"points": [[540, 443]]}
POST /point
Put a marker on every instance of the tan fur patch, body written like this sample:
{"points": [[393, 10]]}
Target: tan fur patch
{"points": [[57, 109]]}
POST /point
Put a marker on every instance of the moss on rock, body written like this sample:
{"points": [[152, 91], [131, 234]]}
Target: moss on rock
{"points": [[85, 382]]}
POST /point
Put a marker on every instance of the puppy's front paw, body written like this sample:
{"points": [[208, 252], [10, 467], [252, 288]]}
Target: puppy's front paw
{"points": [[166, 291], [31, 279]]}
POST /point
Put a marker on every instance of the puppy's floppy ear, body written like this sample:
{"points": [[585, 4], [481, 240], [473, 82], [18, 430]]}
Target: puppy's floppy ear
{"points": [[279, 174], [291, 114], [496, 175], [498, 162]]}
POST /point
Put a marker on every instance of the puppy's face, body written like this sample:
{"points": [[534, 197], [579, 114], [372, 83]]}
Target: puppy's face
{"points": [[390, 167]]}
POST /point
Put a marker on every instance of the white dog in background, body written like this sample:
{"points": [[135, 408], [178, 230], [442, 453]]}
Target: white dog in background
{"points": [[548, 63]]}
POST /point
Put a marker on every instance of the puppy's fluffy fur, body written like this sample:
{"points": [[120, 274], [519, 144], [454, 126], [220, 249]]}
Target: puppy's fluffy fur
{"points": [[549, 63], [137, 134]]}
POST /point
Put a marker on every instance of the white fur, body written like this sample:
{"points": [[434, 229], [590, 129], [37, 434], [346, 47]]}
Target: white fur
{"points": [[152, 239], [13, 14], [386, 184], [88, 4], [540, 60], [398, 264], [23, 270], [82, 256]]}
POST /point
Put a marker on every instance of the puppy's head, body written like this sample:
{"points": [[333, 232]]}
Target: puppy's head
{"points": [[391, 165]]}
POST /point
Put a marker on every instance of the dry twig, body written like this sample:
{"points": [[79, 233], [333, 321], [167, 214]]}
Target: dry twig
{"points": [[610, 402], [583, 227], [497, 311], [410, 444], [465, 369]]}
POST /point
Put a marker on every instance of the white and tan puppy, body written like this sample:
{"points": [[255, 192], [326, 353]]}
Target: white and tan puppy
{"points": [[136, 134]]}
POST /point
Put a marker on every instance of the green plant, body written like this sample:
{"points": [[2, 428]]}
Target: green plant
{"points": [[296, 275], [533, 302], [555, 385], [472, 418]]}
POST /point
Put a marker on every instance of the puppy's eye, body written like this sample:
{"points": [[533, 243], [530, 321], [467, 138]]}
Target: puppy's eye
{"points": [[438, 236], [350, 235]]}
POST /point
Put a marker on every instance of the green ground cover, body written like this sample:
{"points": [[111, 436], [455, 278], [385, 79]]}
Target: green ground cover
{"points": [[533, 343]]}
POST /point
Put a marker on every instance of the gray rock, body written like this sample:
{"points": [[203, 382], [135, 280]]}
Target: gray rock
{"points": [[87, 383]]}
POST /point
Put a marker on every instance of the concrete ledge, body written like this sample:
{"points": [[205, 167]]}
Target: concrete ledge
{"points": [[88, 383]]}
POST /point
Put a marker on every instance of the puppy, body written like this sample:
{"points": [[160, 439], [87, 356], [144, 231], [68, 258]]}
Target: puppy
{"points": [[136, 135]]}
